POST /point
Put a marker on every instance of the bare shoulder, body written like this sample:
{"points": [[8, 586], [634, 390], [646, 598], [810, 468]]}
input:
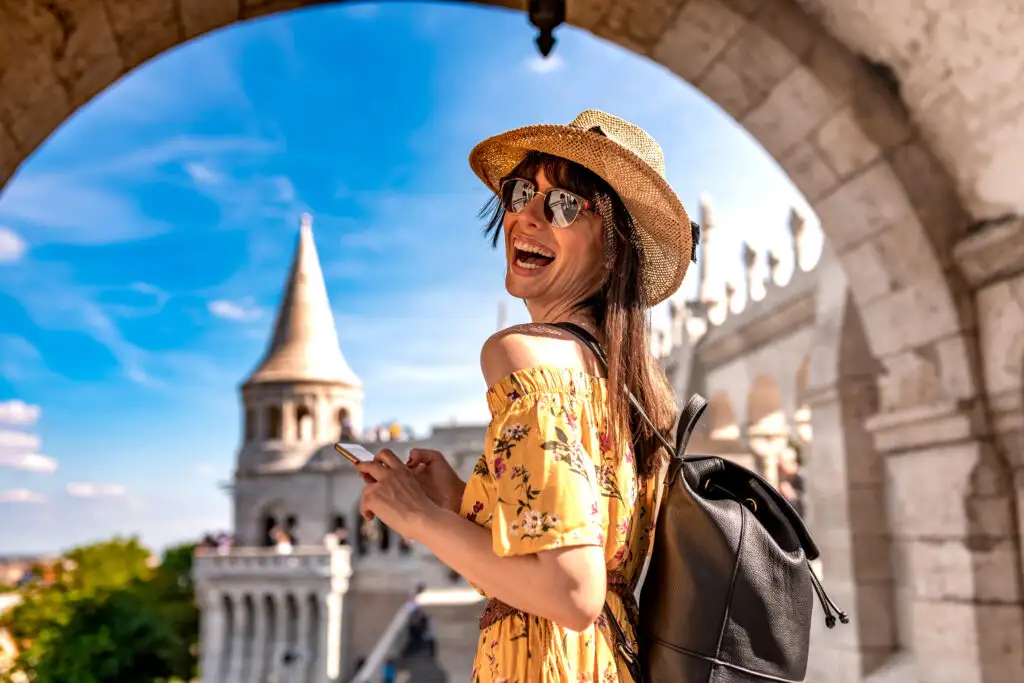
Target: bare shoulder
{"points": [[528, 346]]}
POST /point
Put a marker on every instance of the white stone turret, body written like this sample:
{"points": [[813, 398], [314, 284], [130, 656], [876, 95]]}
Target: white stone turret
{"points": [[303, 393]]}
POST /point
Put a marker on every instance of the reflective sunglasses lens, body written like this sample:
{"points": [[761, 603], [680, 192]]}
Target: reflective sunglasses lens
{"points": [[562, 208], [516, 194]]}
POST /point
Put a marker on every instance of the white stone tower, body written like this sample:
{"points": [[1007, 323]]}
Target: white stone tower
{"points": [[298, 399]]}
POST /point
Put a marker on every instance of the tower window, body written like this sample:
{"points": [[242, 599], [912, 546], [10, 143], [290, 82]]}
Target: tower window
{"points": [[250, 424], [273, 422], [304, 423]]}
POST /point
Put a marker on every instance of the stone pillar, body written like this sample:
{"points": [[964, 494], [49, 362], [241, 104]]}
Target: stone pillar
{"points": [[707, 228], [280, 642], [258, 648], [212, 635], [303, 636], [289, 429], [330, 638], [238, 640], [797, 228]]}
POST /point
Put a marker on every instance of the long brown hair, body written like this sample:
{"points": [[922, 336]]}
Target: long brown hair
{"points": [[619, 308]]}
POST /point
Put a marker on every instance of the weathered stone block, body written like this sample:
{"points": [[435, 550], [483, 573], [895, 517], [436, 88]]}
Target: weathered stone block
{"points": [[587, 13], [701, 31], [34, 102], [728, 90], [644, 21], [86, 58], [806, 167], [951, 570], [863, 206], [201, 16], [911, 317], [144, 28], [844, 145], [760, 60], [931, 496], [795, 107]]}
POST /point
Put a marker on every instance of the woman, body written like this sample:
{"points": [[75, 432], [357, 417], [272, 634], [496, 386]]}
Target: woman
{"points": [[556, 519]]}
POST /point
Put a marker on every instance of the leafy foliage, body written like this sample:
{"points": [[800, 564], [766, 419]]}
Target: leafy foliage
{"points": [[106, 614]]}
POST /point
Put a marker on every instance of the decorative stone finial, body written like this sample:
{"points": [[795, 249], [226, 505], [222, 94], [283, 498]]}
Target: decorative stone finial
{"points": [[730, 294], [797, 225]]}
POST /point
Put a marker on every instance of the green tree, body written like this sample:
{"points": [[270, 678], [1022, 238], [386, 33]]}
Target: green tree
{"points": [[105, 614], [118, 636]]}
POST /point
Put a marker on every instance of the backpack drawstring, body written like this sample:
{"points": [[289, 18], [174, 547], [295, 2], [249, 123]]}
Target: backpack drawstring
{"points": [[827, 604]]}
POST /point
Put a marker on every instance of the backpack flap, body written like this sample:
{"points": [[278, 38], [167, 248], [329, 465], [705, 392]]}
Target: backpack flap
{"points": [[715, 477]]}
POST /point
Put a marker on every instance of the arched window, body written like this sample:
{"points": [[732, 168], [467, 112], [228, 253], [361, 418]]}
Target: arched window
{"points": [[304, 423], [269, 522], [273, 414], [345, 429]]}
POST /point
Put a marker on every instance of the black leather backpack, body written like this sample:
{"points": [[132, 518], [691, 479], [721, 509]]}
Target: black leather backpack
{"points": [[729, 592]]}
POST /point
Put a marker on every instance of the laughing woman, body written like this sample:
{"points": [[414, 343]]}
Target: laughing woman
{"points": [[556, 519]]}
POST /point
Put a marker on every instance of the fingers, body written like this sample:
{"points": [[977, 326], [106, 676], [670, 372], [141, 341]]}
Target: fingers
{"points": [[366, 502], [388, 459], [373, 469], [422, 456]]}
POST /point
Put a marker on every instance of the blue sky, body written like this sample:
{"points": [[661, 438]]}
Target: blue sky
{"points": [[143, 247]]}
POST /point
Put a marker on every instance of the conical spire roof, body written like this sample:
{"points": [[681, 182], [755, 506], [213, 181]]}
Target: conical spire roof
{"points": [[305, 343]]}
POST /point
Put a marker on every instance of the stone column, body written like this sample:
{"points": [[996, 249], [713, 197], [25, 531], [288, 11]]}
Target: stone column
{"points": [[259, 639], [303, 637], [212, 635], [280, 642], [238, 644], [289, 429], [330, 638]]}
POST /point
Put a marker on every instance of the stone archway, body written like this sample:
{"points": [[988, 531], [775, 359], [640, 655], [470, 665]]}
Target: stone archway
{"points": [[838, 125]]}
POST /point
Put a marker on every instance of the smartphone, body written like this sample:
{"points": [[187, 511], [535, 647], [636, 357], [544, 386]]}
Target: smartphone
{"points": [[354, 452]]}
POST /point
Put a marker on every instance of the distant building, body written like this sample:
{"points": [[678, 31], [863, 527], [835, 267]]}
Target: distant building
{"points": [[307, 588]]}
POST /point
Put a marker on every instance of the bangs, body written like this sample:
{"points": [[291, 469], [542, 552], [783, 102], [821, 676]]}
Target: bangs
{"points": [[560, 172]]}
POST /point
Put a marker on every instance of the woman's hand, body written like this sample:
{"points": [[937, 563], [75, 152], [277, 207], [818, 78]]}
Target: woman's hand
{"points": [[394, 495], [437, 477]]}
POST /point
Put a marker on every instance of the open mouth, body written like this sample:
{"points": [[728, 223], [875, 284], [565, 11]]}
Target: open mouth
{"points": [[530, 256]]}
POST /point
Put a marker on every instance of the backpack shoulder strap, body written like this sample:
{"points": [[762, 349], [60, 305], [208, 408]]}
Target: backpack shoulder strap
{"points": [[590, 342], [688, 419]]}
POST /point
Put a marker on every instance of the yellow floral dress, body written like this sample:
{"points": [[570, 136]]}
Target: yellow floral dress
{"points": [[551, 477]]}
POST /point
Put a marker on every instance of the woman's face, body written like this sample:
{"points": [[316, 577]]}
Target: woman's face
{"points": [[570, 266]]}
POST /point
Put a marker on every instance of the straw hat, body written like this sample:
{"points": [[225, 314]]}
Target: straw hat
{"points": [[629, 160]]}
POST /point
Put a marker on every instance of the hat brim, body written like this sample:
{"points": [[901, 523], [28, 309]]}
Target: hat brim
{"points": [[661, 221]]}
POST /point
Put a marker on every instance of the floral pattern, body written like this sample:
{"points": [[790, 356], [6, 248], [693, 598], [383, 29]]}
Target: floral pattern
{"points": [[553, 476]]}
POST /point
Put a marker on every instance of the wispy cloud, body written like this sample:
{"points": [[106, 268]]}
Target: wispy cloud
{"points": [[17, 412], [87, 212], [29, 462], [92, 490], [202, 174], [21, 496], [12, 247], [240, 311]]}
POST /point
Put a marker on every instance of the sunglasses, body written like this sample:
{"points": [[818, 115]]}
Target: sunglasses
{"points": [[561, 207]]}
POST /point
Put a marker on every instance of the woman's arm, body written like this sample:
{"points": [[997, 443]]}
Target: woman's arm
{"points": [[566, 585]]}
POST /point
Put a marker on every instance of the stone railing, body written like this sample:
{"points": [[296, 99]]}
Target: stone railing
{"points": [[302, 560]]}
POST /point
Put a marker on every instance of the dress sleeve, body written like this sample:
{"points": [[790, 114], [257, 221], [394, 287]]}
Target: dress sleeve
{"points": [[547, 493]]}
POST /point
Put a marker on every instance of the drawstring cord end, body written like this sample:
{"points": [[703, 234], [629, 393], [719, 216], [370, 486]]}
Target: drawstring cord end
{"points": [[829, 607]]}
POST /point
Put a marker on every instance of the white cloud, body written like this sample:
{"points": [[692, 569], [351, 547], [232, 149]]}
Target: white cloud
{"points": [[240, 311], [21, 441], [86, 490], [21, 496], [86, 213], [201, 173], [542, 65], [12, 247], [18, 412], [30, 462]]}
